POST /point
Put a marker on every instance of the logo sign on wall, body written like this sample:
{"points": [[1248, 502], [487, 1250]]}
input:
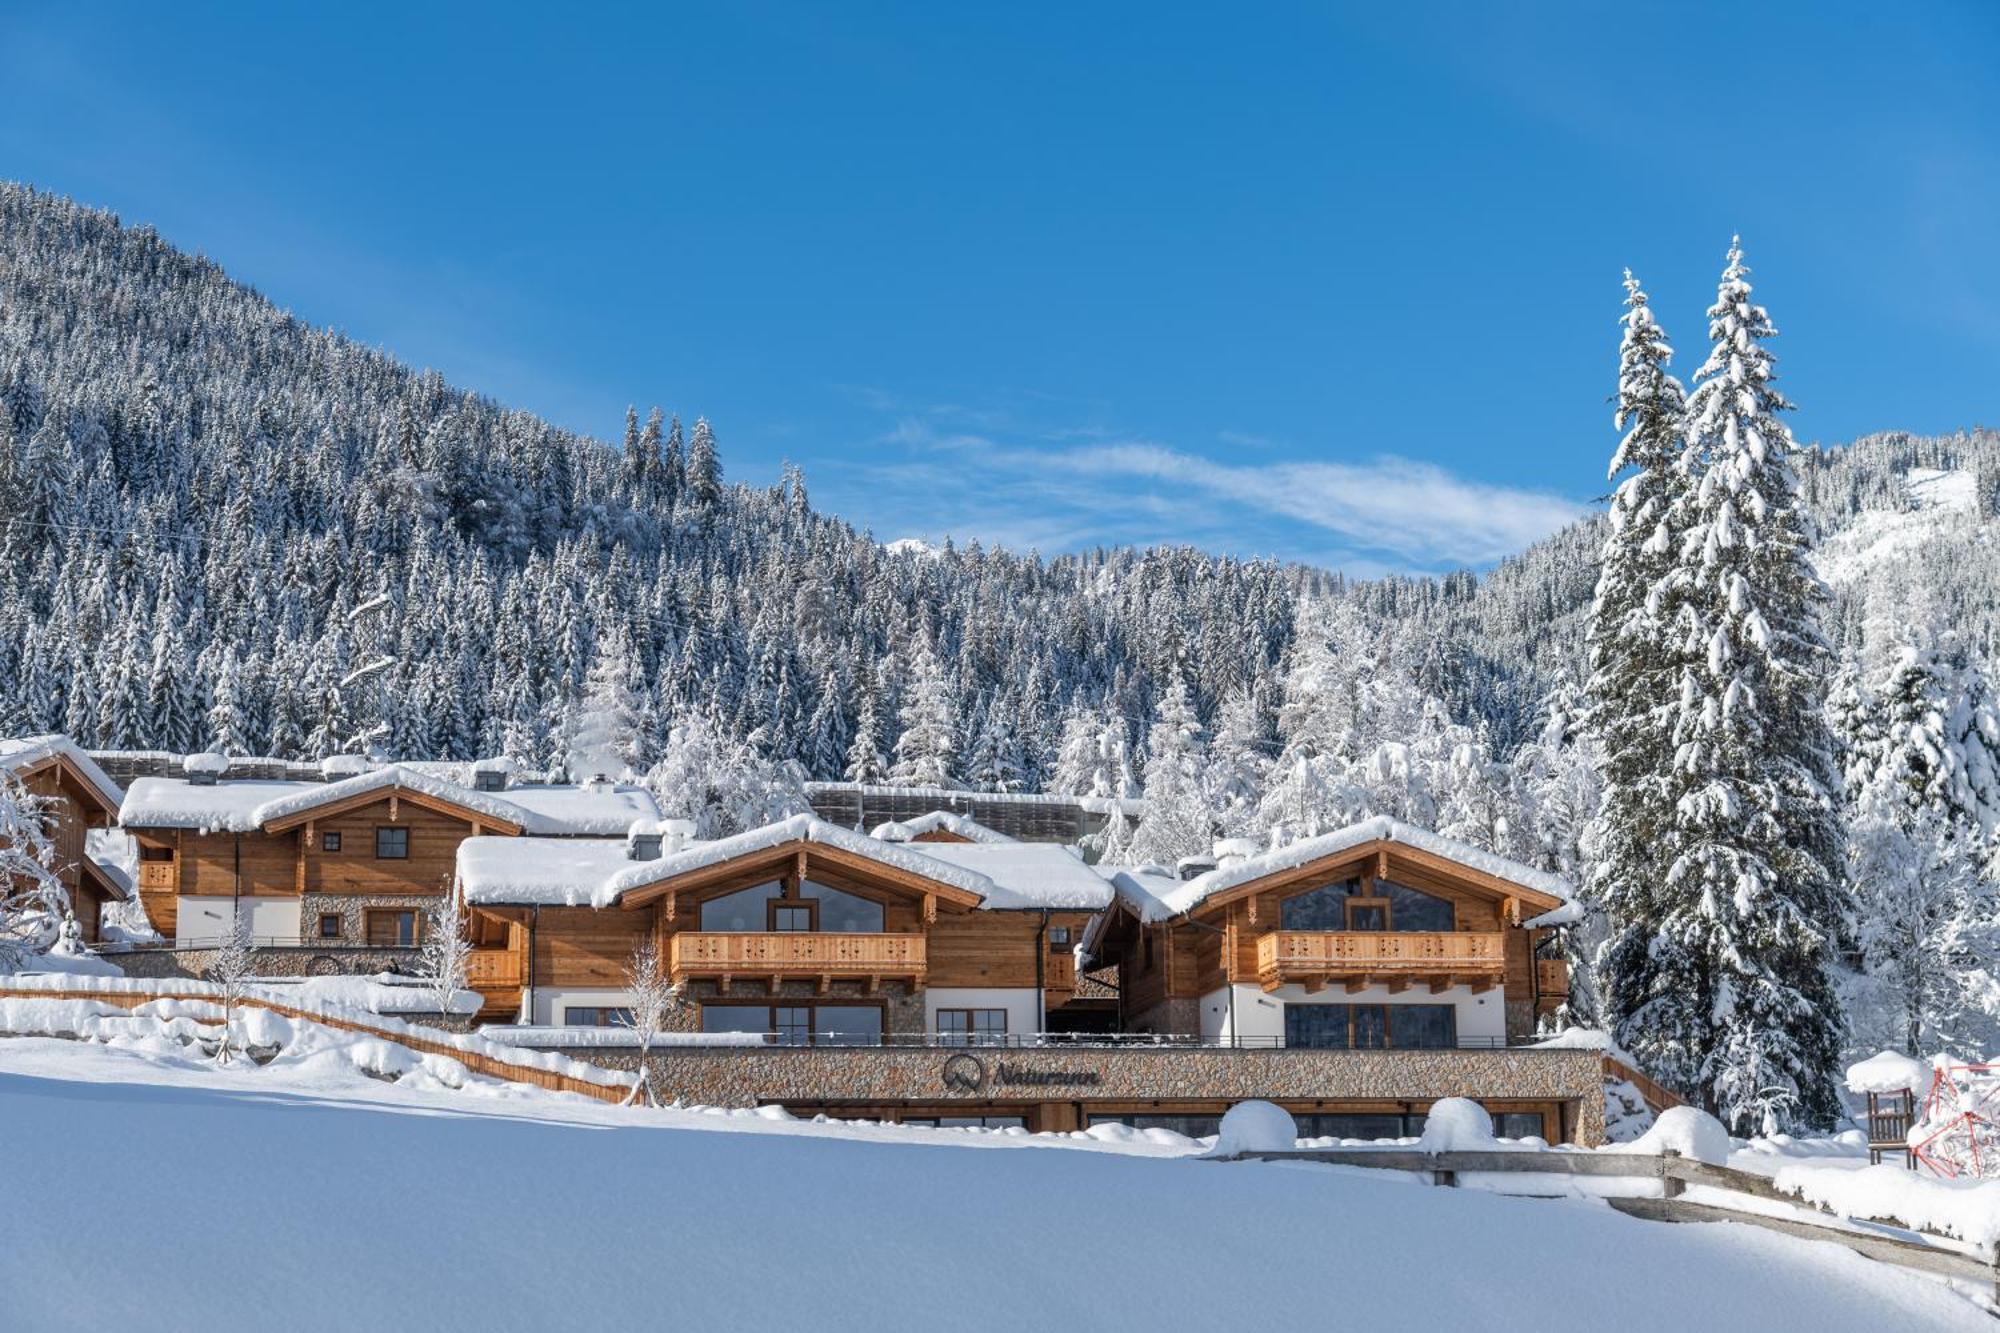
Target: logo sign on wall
{"points": [[963, 1073]]}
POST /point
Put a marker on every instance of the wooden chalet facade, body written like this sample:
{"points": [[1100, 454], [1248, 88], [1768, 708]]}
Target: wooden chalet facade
{"points": [[75, 796], [1383, 936]]}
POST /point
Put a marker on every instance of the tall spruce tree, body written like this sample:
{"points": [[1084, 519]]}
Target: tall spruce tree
{"points": [[1634, 681], [1753, 893]]}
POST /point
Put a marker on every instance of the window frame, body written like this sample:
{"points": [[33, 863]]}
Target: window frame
{"points": [[1059, 945], [369, 915], [329, 840], [773, 906], [1383, 905], [394, 831], [771, 1032], [332, 919], [971, 1034]]}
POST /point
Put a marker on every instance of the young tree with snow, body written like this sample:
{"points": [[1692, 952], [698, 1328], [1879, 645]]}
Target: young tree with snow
{"points": [[864, 753], [927, 749], [1178, 821], [654, 996], [1754, 896], [33, 902], [603, 726], [231, 971], [446, 953]]}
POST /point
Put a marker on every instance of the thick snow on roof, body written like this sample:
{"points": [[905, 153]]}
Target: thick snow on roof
{"points": [[1143, 889], [798, 828], [937, 821], [1186, 897], [601, 810], [1028, 874], [1889, 1071], [24, 753], [239, 807], [227, 807], [545, 872]]}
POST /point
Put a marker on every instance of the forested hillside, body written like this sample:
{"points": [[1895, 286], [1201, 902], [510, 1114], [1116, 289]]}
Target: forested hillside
{"points": [[223, 526]]}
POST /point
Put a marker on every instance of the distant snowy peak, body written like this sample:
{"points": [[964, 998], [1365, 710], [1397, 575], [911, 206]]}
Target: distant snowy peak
{"points": [[1944, 511], [910, 546]]}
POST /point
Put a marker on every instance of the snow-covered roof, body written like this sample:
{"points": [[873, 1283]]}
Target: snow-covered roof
{"points": [[544, 872], [242, 806], [1184, 897], [1028, 875], [595, 872], [1143, 889], [800, 828], [17, 756], [937, 821]]}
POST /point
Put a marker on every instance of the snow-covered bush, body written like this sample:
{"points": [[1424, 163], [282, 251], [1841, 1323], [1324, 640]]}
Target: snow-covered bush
{"points": [[1687, 1131], [1457, 1124], [1255, 1127]]}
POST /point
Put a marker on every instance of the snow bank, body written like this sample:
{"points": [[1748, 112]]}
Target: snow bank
{"points": [[625, 1038], [1255, 1127], [384, 993], [1889, 1071], [208, 761], [1967, 1209], [1685, 1130], [56, 963], [1457, 1124]]}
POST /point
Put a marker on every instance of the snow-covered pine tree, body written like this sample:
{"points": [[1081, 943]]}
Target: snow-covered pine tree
{"points": [[927, 749], [864, 753], [1179, 820], [1240, 758], [1635, 679], [1754, 893], [602, 727], [995, 762], [704, 467], [228, 720]]}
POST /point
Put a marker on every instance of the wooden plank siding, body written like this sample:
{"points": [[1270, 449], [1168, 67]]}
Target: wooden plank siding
{"points": [[355, 869]]}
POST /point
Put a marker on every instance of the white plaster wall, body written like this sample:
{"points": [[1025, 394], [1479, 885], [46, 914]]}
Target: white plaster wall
{"points": [[207, 920], [549, 1002], [1262, 1015], [1023, 1006]]}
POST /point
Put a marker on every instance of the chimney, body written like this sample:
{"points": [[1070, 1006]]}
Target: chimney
{"points": [[679, 833], [642, 846], [203, 769], [491, 774], [1193, 867]]}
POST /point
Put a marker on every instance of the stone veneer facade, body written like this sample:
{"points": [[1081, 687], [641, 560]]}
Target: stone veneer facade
{"points": [[753, 1076]]}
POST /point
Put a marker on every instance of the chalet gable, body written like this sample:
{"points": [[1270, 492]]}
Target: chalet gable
{"points": [[56, 756]]}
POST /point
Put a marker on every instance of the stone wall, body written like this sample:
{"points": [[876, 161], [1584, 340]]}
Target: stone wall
{"points": [[722, 1076], [1172, 1017], [352, 909], [289, 961]]}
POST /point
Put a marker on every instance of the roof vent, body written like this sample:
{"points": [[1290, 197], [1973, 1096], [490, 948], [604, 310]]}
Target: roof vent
{"points": [[1194, 867], [492, 774], [339, 767], [203, 769], [643, 839]]}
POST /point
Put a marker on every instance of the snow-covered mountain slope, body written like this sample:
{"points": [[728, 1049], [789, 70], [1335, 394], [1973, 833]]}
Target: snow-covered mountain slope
{"points": [[1937, 521], [242, 1203]]}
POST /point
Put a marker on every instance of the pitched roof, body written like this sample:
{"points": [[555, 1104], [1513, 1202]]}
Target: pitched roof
{"points": [[244, 806], [18, 756], [1028, 875], [1154, 896], [799, 828]]}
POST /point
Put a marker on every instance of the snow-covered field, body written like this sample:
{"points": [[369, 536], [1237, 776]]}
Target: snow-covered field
{"points": [[146, 1188]]}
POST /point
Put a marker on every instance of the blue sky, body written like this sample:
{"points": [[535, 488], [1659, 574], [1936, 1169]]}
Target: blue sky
{"points": [[1334, 284]]}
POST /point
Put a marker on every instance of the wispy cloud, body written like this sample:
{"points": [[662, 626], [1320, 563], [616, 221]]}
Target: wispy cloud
{"points": [[943, 471]]}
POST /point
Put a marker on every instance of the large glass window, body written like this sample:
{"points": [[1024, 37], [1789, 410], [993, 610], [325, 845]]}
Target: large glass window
{"points": [[793, 1024], [1518, 1124], [1371, 1027], [741, 910], [1316, 1026], [972, 1027], [1358, 1125], [799, 1024], [596, 1016], [1194, 1126], [1412, 909], [847, 1025], [844, 911], [1423, 1026], [1324, 908], [736, 1018]]}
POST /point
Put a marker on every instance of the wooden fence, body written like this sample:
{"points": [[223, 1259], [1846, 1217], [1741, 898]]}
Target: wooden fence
{"points": [[479, 1062], [1675, 1173]]}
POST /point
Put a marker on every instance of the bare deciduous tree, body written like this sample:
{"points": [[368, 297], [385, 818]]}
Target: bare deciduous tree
{"points": [[654, 996]]}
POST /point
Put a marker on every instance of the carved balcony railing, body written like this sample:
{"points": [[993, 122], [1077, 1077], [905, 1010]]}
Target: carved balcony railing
{"points": [[1358, 958]]}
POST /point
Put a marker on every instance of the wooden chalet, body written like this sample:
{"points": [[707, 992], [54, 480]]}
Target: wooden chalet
{"points": [[76, 796], [1380, 936]]}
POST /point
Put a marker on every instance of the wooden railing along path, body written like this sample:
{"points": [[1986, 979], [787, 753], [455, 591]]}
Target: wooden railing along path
{"points": [[1675, 1173], [403, 1034]]}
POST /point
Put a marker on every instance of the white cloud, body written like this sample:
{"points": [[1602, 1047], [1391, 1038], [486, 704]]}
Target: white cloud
{"points": [[933, 475]]}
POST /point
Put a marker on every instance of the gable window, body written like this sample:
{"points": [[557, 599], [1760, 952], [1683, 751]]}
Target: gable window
{"points": [[1376, 904], [329, 925], [789, 916], [392, 844], [816, 907], [329, 842], [1323, 908], [392, 927], [1413, 909]]}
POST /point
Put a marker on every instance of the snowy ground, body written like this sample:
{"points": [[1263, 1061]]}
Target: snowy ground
{"points": [[146, 1188]]}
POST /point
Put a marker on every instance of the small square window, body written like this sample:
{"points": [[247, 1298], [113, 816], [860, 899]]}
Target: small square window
{"points": [[329, 925], [329, 842], [392, 844], [1059, 937]]}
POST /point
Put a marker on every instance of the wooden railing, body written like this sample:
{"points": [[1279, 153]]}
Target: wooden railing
{"points": [[1552, 976], [157, 874], [796, 953], [1337, 953], [493, 969]]}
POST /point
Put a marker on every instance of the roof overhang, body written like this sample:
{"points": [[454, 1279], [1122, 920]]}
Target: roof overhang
{"points": [[74, 775], [1379, 858], [484, 820], [103, 879], [800, 855]]}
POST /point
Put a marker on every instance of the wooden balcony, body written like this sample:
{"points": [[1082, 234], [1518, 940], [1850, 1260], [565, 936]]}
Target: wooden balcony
{"points": [[493, 970], [157, 874], [775, 956], [1552, 976], [1396, 959]]}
